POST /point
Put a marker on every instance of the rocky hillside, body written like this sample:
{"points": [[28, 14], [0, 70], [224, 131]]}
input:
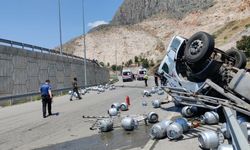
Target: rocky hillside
{"points": [[135, 11], [144, 27]]}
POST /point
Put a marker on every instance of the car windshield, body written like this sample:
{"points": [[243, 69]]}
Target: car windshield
{"points": [[165, 68], [142, 72], [126, 73], [175, 44]]}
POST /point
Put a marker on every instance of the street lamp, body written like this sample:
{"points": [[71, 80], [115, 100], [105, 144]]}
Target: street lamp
{"points": [[60, 25], [84, 45]]}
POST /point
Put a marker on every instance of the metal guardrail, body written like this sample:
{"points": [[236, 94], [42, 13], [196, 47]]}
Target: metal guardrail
{"points": [[41, 49], [10, 97], [239, 141]]}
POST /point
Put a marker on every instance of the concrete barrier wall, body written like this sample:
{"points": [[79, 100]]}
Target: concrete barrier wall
{"points": [[22, 71]]}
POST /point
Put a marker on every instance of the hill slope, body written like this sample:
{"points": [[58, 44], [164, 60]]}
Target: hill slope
{"points": [[150, 24]]}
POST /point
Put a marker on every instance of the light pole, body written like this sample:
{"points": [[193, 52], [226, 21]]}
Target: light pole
{"points": [[84, 45], [60, 25], [116, 63]]}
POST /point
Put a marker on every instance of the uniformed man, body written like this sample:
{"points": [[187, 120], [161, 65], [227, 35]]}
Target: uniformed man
{"points": [[146, 79], [46, 95], [75, 89]]}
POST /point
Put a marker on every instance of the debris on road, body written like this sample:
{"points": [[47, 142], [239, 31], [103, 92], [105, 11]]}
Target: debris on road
{"points": [[210, 139], [129, 123]]}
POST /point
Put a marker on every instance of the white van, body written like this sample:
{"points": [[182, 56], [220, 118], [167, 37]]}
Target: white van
{"points": [[141, 73], [127, 75]]}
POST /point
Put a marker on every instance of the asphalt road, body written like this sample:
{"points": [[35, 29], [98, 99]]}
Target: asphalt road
{"points": [[22, 126]]}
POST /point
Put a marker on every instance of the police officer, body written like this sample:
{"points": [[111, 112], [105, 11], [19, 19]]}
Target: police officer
{"points": [[75, 89], [46, 95], [146, 79]]}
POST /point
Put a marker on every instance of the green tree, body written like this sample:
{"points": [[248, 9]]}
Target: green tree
{"points": [[113, 67], [130, 62], [145, 63], [119, 68], [244, 44], [136, 59]]}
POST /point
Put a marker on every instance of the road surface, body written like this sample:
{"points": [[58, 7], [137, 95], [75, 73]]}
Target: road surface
{"points": [[22, 126]]}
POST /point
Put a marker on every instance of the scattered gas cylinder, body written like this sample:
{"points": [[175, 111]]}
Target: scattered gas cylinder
{"points": [[160, 92], [112, 112], [159, 130], [210, 139], [156, 103], [115, 105], [146, 93], [224, 130], [210, 117], [129, 123], [124, 106], [105, 125], [174, 131], [188, 111], [225, 147], [183, 122], [152, 117], [154, 90]]}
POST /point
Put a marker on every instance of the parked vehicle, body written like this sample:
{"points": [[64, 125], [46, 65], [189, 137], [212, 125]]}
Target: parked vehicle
{"points": [[127, 75], [141, 73]]}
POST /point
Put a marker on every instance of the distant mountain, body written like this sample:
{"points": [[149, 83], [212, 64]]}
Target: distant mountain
{"points": [[134, 11], [145, 27]]}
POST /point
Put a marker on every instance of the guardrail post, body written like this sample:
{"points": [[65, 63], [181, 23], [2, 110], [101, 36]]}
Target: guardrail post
{"points": [[11, 101]]}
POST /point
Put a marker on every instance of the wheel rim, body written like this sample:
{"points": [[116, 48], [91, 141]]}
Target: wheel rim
{"points": [[196, 47]]}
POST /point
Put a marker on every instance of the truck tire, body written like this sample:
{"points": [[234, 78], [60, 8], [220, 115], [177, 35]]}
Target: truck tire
{"points": [[239, 57], [199, 47]]}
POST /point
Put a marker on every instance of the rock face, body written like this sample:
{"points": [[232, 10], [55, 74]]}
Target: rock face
{"points": [[145, 27], [134, 11]]}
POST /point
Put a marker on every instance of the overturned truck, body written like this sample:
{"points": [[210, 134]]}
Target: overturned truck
{"points": [[201, 75]]}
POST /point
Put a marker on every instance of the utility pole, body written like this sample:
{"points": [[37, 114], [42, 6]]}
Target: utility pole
{"points": [[116, 63], [60, 25], [84, 45]]}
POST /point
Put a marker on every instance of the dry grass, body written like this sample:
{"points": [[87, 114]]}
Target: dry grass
{"points": [[230, 29]]}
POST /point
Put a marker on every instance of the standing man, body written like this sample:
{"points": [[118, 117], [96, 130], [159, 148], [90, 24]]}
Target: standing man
{"points": [[146, 79], [75, 89], [156, 76], [163, 79], [46, 95]]}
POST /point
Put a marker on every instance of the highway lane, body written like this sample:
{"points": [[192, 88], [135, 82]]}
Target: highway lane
{"points": [[22, 126]]}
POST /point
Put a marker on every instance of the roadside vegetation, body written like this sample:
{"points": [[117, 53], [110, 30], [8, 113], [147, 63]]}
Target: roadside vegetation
{"points": [[225, 33]]}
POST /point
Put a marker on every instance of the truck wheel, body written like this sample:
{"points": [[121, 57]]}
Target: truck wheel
{"points": [[199, 47], [239, 59]]}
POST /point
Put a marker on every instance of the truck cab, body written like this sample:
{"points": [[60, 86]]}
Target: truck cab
{"points": [[169, 66]]}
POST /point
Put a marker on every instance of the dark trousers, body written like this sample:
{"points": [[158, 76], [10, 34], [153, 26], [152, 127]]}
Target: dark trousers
{"points": [[75, 90], [146, 82], [156, 81], [46, 101]]}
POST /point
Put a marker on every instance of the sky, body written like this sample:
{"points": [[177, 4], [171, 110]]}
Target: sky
{"points": [[36, 21]]}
